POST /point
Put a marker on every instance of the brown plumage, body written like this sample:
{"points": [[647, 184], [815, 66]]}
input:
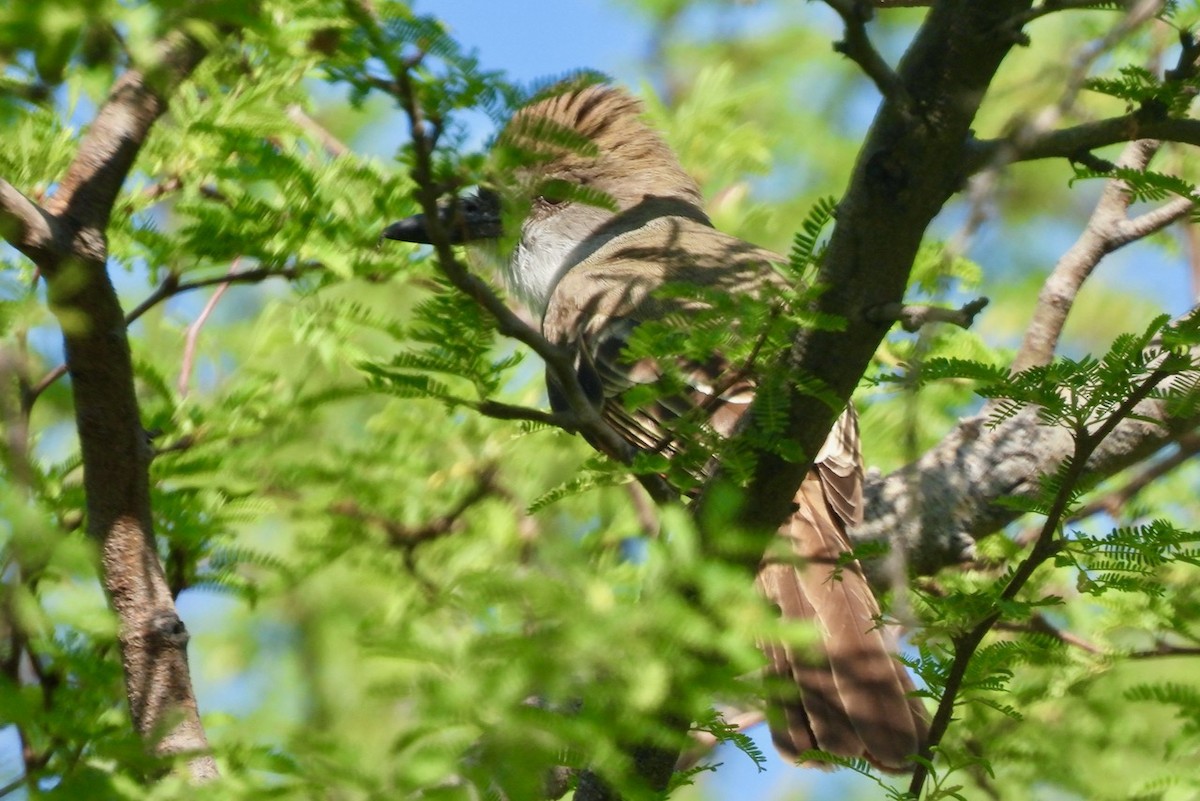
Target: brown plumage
{"points": [[854, 697], [593, 273]]}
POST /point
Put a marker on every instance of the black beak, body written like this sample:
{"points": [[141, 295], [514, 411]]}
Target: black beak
{"points": [[465, 219], [410, 229]]}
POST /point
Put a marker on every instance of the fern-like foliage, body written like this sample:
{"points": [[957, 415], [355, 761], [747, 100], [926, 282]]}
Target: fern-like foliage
{"points": [[725, 732], [1143, 185], [1129, 559], [455, 360], [806, 244], [1140, 87], [1081, 393], [595, 473], [860, 766], [1184, 697]]}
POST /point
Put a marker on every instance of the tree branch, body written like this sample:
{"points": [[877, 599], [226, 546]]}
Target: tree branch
{"points": [[27, 226], [1111, 502], [506, 411], [66, 240], [914, 316], [946, 499], [169, 288], [943, 502], [940, 504], [1052, 7], [409, 537], [1035, 138], [193, 332], [965, 643], [901, 180], [1038, 624], [858, 48], [1107, 229], [1155, 220], [333, 146], [86, 194], [406, 539], [1162, 649], [1076, 141]]}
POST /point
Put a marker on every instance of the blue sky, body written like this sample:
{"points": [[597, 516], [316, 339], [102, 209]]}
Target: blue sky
{"points": [[533, 39]]}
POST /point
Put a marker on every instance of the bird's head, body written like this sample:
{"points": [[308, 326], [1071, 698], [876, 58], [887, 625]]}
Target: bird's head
{"points": [[565, 167]]}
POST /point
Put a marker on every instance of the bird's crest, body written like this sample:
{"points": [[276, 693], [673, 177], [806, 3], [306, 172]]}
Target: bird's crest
{"points": [[593, 136]]}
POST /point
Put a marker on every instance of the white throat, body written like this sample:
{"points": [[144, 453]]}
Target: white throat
{"points": [[535, 267], [548, 247]]}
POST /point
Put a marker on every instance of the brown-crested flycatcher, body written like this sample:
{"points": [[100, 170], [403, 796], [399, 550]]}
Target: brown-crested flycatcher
{"points": [[593, 272]]}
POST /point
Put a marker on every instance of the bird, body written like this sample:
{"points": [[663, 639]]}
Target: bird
{"points": [[608, 217]]}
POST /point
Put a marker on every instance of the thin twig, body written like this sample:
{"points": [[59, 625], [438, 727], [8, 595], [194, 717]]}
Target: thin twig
{"points": [[704, 741], [169, 288], [858, 48], [1164, 649], [331, 144], [506, 411], [1075, 141], [14, 445], [1111, 502], [1154, 220], [1038, 138], [151, 193], [27, 226], [1107, 229], [409, 537], [1051, 7], [1192, 237], [193, 331], [644, 509], [981, 196], [1037, 624], [186, 442], [13, 786]]}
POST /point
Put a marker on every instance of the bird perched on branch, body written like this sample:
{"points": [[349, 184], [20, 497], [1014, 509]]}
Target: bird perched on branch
{"points": [[610, 219]]}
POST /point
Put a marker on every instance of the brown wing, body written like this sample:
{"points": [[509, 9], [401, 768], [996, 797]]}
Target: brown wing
{"points": [[853, 697]]}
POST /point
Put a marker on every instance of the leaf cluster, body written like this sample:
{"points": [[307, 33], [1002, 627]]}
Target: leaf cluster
{"points": [[1141, 88]]}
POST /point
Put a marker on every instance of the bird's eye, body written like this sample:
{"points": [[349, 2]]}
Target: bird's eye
{"points": [[554, 192]]}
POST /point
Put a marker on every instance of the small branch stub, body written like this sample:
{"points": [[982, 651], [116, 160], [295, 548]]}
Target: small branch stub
{"points": [[912, 316], [166, 629]]}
